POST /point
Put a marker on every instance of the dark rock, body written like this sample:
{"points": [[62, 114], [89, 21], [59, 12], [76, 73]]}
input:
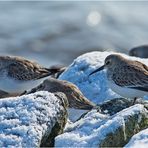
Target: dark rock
{"points": [[139, 51], [58, 128], [132, 124], [113, 106]]}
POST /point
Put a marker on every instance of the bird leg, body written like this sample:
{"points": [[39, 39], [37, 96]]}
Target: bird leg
{"points": [[134, 101]]}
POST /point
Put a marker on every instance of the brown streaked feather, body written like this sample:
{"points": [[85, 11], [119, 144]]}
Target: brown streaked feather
{"points": [[22, 69], [75, 97], [133, 74], [141, 65], [26, 71]]}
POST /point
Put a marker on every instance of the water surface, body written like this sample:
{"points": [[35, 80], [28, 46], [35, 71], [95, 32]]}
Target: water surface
{"points": [[57, 32]]}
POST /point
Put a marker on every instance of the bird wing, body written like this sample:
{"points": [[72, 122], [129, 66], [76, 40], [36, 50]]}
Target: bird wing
{"points": [[134, 76], [77, 99], [26, 70]]}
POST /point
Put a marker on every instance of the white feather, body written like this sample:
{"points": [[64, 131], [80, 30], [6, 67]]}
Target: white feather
{"points": [[125, 91]]}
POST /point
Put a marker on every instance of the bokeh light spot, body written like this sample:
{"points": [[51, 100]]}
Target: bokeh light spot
{"points": [[93, 18]]}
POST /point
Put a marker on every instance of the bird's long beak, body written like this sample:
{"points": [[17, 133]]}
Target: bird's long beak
{"points": [[99, 69]]}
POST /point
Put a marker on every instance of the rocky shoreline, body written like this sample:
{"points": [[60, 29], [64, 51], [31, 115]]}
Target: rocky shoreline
{"points": [[41, 118]]}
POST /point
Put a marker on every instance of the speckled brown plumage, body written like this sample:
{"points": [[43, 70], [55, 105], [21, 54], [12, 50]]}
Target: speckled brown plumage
{"points": [[126, 77], [22, 69], [75, 97], [127, 73]]}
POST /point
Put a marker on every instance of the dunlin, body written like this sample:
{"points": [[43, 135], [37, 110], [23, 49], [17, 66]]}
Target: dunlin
{"points": [[75, 97], [139, 51], [126, 77], [18, 74]]}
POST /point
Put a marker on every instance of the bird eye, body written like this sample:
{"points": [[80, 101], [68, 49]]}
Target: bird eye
{"points": [[108, 62]]}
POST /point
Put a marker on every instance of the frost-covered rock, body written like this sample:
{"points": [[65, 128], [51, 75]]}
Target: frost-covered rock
{"points": [[32, 120], [94, 87], [113, 106], [99, 130], [139, 140]]}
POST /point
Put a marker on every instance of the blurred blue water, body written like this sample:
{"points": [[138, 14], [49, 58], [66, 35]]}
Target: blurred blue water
{"points": [[57, 32]]}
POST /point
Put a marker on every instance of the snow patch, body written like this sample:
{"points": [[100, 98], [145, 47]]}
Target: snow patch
{"points": [[140, 140], [94, 127], [24, 120]]}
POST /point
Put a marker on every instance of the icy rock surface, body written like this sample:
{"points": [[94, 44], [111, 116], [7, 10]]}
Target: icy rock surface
{"points": [[94, 87], [27, 121], [97, 130], [140, 140], [90, 130], [113, 106]]}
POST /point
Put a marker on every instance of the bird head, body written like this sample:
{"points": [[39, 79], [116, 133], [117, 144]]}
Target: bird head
{"points": [[110, 62]]}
